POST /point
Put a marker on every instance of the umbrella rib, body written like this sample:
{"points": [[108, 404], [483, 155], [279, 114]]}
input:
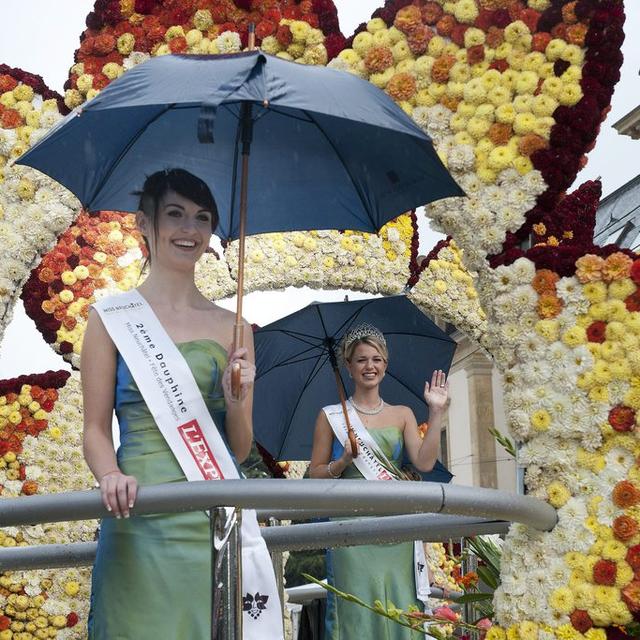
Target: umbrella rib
{"points": [[391, 375], [128, 146], [339, 156], [312, 375], [288, 361]]}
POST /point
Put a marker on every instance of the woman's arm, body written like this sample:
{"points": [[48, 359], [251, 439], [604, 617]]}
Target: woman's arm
{"points": [[423, 452], [98, 365], [239, 422], [321, 452]]}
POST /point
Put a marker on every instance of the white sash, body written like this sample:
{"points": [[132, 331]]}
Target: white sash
{"points": [[174, 399], [368, 462]]}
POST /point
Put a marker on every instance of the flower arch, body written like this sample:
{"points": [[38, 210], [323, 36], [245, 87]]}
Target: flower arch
{"points": [[512, 93]]}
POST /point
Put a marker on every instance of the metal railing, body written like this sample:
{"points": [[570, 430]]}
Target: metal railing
{"points": [[424, 511]]}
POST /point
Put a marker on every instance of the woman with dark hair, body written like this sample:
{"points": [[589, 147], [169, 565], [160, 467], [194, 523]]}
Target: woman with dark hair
{"points": [[157, 356], [392, 573]]}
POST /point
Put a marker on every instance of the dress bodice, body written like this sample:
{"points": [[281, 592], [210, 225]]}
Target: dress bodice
{"points": [[389, 439]]}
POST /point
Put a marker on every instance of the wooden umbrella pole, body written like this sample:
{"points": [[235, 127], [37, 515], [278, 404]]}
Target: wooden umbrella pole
{"points": [[247, 133], [343, 401]]}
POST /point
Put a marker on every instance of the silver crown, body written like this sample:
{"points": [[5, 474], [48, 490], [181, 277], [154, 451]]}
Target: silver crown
{"points": [[361, 331]]}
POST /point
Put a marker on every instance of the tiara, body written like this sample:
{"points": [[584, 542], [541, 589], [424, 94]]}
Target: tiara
{"points": [[361, 331]]}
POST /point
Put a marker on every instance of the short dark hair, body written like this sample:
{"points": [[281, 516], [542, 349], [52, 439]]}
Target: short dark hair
{"points": [[183, 183]]}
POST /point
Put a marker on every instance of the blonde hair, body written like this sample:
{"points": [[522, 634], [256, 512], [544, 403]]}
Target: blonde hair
{"points": [[348, 348]]}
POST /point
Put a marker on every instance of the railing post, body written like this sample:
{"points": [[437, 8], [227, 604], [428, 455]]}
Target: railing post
{"points": [[278, 566], [469, 564], [226, 570]]}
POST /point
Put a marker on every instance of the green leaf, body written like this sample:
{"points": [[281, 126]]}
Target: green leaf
{"points": [[474, 597], [488, 577]]}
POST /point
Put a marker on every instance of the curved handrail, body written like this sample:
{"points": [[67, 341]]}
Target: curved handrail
{"points": [[362, 497]]}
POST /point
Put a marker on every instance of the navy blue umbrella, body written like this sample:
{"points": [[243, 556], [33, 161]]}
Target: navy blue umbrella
{"points": [[328, 150], [295, 359]]}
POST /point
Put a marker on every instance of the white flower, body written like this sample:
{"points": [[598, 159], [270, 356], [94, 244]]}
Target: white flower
{"points": [[134, 58], [228, 42]]}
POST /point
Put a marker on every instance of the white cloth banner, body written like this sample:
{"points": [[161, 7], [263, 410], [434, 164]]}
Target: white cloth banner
{"points": [[178, 408], [371, 462]]}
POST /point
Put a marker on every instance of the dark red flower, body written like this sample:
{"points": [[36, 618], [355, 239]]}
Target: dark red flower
{"points": [[596, 331], [622, 418], [581, 621], [604, 572]]}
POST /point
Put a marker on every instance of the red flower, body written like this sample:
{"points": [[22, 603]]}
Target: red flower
{"points": [[72, 619], [604, 572], [635, 272], [625, 494], [596, 331], [30, 487], [622, 418], [581, 621], [284, 35], [5, 622], [633, 557]]}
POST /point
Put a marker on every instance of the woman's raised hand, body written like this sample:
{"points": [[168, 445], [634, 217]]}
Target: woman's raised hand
{"points": [[118, 492], [436, 394], [238, 358]]}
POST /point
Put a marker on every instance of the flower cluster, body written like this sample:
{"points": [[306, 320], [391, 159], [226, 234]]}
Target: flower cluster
{"points": [[444, 569], [446, 290], [33, 208], [40, 443], [121, 34], [97, 256], [330, 258]]}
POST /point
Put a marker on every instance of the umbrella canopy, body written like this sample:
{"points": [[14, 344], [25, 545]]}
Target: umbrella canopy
{"points": [[295, 376], [328, 150]]}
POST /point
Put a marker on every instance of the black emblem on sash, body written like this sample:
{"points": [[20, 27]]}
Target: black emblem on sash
{"points": [[254, 605], [420, 567]]}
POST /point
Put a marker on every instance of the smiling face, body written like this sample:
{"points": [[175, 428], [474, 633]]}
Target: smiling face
{"points": [[367, 365], [182, 233]]}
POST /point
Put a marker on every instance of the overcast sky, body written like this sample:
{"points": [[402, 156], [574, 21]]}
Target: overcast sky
{"points": [[41, 36]]}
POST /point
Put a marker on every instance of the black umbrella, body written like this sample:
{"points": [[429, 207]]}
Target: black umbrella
{"points": [[296, 357]]}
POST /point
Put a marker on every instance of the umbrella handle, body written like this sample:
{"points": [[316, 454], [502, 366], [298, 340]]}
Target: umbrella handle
{"points": [[352, 441], [343, 401], [236, 370]]}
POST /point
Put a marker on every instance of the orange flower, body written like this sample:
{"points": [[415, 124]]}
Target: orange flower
{"points": [[441, 67], [445, 25], [549, 305], [500, 133], [419, 39], [29, 487], [624, 528], [469, 580], [576, 34], [450, 102], [10, 119], [633, 557], [631, 596], [545, 280], [581, 620], [589, 268], [7, 83], [540, 41], [495, 37], [530, 143], [539, 228], [408, 19], [616, 267], [569, 12], [431, 12], [401, 87], [378, 59], [625, 494]]}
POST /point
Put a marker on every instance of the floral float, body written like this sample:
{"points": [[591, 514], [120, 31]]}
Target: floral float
{"points": [[513, 93]]}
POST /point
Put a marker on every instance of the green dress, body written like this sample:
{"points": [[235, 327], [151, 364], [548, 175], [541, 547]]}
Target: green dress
{"points": [[151, 578], [372, 572]]}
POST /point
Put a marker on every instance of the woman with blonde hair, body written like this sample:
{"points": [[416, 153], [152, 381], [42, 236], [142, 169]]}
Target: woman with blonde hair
{"points": [[391, 573]]}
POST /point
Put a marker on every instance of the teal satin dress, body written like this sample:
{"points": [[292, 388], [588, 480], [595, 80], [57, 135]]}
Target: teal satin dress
{"points": [[151, 578], [371, 572]]}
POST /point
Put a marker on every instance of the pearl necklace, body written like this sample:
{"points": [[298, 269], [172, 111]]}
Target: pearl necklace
{"points": [[367, 412]]}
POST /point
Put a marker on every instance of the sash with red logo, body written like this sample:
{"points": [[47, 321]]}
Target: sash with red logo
{"points": [[178, 408]]}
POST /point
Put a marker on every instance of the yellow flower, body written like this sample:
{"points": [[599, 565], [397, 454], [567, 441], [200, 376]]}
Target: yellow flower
{"points": [[501, 158], [570, 95], [574, 336], [557, 493], [66, 296], [583, 595], [595, 291], [540, 420], [512, 632], [620, 613], [328, 262], [599, 394], [524, 123], [567, 632], [622, 288], [496, 633], [72, 588], [561, 600], [595, 634], [614, 550], [23, 92]]}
